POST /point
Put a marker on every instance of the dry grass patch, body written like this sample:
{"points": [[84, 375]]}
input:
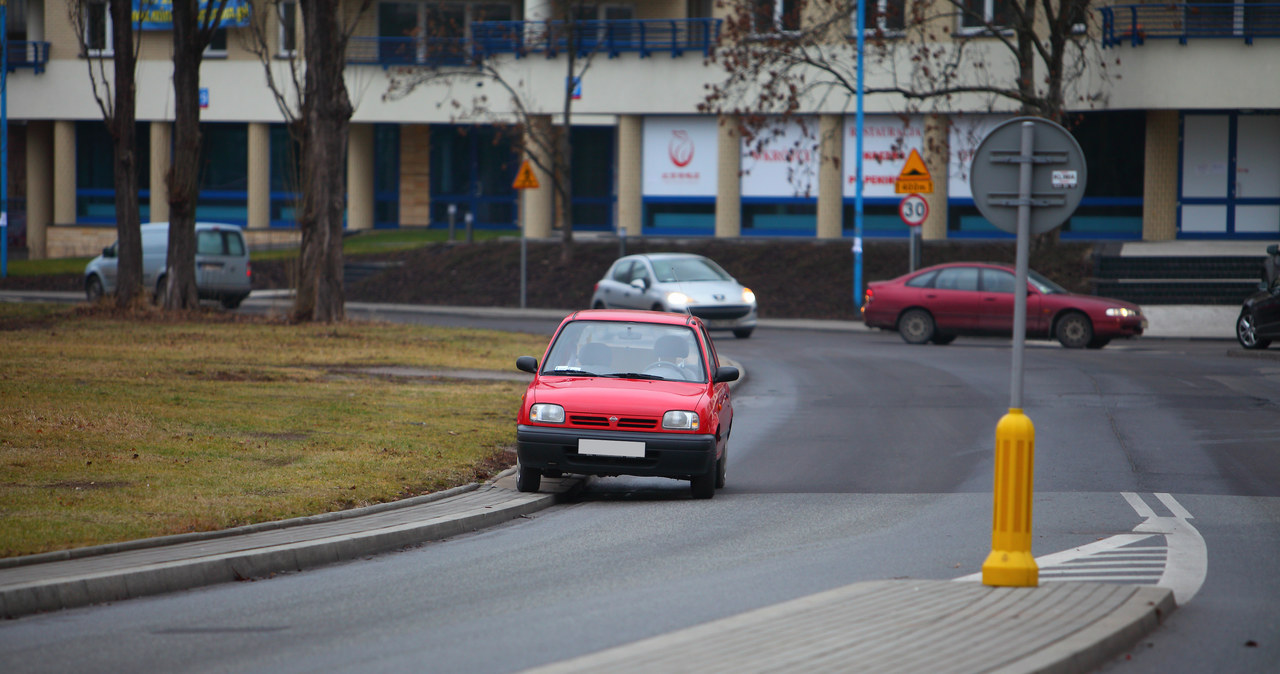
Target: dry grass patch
{"points": [[126, 427]]}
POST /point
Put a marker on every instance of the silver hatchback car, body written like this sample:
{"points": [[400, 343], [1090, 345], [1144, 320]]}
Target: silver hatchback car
{"points": [[679, 282]]}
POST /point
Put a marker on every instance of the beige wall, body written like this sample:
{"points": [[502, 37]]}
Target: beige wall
{"points": [[1160, 179], [415, 175], [78, 241]]}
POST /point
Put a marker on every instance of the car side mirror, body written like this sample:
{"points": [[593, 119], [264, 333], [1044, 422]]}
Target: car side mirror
{"points": [[725, 373], [527, 364], [640, 284], [109, 251]]}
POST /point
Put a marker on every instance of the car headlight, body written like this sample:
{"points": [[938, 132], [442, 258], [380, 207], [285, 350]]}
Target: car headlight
{"points": [[748, 296], [678, 299], [546, 413], [1122, 312], [680, 420]]}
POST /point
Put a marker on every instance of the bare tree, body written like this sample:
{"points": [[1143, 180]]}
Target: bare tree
{"points": [[932, 55], [118, 102], [314, 102], [192, 31], [546, 146]]}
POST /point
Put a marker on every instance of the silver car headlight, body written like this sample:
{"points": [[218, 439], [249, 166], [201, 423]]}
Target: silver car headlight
{"points": [[680, 420], [546, 413], [677, 299], [1122, 312]]}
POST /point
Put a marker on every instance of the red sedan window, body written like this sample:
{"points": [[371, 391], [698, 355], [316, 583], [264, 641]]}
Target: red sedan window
{"points": [[957, 278]]}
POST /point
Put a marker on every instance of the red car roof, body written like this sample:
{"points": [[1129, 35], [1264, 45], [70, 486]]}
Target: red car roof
{"points": [[632, 316]]}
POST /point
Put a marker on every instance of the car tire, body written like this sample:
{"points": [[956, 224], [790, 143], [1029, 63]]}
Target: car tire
{"points": [[916, 326], [162, 285], [527, 479], [232, 301], [1247, 332], [942, 340], [598, 305], [742, 333], [93, 288], [722, 469], [1074, 331], [704, 486]]}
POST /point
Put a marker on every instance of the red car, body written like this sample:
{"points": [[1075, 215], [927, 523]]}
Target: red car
{"points": [[937, 303], [624, 392]]}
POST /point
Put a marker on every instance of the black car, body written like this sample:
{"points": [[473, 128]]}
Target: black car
{"points": [[1259, 320]]}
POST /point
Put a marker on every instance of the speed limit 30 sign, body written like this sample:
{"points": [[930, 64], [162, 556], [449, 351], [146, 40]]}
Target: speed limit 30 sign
{"points": [[913, 209]]}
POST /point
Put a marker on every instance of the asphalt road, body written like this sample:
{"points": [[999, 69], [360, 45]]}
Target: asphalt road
{"points": [[853, 457]]}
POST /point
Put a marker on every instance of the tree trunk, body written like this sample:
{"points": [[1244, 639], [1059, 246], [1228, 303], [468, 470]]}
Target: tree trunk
{"points": [[180, 290], [121, 124], [326, 115]]}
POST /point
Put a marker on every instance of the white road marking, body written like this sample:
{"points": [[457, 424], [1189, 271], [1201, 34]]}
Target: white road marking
{"points": [[1180, 564]]}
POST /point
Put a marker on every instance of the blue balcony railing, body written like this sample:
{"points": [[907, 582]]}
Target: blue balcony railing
{"points": [[522, 38], [644, 36], [32, 55], [1135, 24]]}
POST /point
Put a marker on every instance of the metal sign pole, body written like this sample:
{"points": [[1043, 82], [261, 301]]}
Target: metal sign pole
{"points": [[1026, 157]]}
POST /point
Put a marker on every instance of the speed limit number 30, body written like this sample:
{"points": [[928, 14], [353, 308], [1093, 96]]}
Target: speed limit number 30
{"points": [[913, 209]]}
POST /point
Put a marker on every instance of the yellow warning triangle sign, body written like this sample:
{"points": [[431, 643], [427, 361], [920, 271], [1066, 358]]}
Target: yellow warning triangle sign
{"points": [[915, 178], [525, 180]]}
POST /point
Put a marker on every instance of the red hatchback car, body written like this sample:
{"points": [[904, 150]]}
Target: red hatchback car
{"points": [[624, 392], [937, 303]]}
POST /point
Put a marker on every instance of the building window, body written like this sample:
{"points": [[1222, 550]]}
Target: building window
{"points": [[288, 37], [980, 15], [886, 16], [413, 32], [97, 28], [217, 44], [775, 16]]}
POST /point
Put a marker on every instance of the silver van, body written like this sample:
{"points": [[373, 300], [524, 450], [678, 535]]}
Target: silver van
{"points": [[222, 264]]}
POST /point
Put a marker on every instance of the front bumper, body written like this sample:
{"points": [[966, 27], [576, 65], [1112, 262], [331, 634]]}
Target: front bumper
{"points": [[674, 455]]}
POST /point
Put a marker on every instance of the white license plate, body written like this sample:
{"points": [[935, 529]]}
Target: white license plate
{"points": [[632, 450]]}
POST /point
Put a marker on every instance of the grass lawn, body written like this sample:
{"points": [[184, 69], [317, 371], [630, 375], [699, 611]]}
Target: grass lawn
{"points": [[118, 427]]}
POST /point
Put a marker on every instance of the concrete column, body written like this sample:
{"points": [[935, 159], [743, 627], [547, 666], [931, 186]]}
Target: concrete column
{"points": [[937, 156], [1160, 180], [259, 152], [360, 177], [537, 205], [161, 160], [729, 178], [64, 172], [630, 174], [415, 175], [830, 176], [39, 187]]}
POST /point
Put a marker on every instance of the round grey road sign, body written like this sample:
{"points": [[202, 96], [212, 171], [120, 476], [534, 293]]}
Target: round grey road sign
{"points": [[1058, 175]]}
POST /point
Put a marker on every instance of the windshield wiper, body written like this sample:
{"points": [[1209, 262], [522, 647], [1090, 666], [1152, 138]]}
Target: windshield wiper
{"points": [[573, 372], [634, 375]]}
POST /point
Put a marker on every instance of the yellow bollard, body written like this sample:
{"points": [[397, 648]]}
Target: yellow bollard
{"points": [[1010, 562]]}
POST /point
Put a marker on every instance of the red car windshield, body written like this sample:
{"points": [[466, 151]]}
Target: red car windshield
{"points": [[626, 350]]}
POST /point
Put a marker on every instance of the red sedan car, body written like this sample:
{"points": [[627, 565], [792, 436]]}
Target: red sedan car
{"points": [[624, 392], [937, 303]]}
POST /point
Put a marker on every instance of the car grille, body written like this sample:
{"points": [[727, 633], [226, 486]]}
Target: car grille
{"points": [[596, 421], [720, 313]]}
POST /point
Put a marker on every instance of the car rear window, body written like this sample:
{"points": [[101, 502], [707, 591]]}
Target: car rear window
{"points": [[219, 242]]}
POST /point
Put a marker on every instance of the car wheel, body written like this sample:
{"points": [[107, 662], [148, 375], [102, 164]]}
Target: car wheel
{"points": [[704, 486], [93, 288], [232, 301], [916, 326], [1074, 331], [742, 333], [162, 286], [1247, 332], [942, 340], [598, 305], [722, 468], [527, 479]]}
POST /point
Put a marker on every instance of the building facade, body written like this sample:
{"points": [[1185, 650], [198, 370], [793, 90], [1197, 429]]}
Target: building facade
{"points": [[1180, 127]]}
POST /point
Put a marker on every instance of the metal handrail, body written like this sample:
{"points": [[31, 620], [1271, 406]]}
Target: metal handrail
{"points": [[34, 55], [1135, 24], [521, 38]]}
